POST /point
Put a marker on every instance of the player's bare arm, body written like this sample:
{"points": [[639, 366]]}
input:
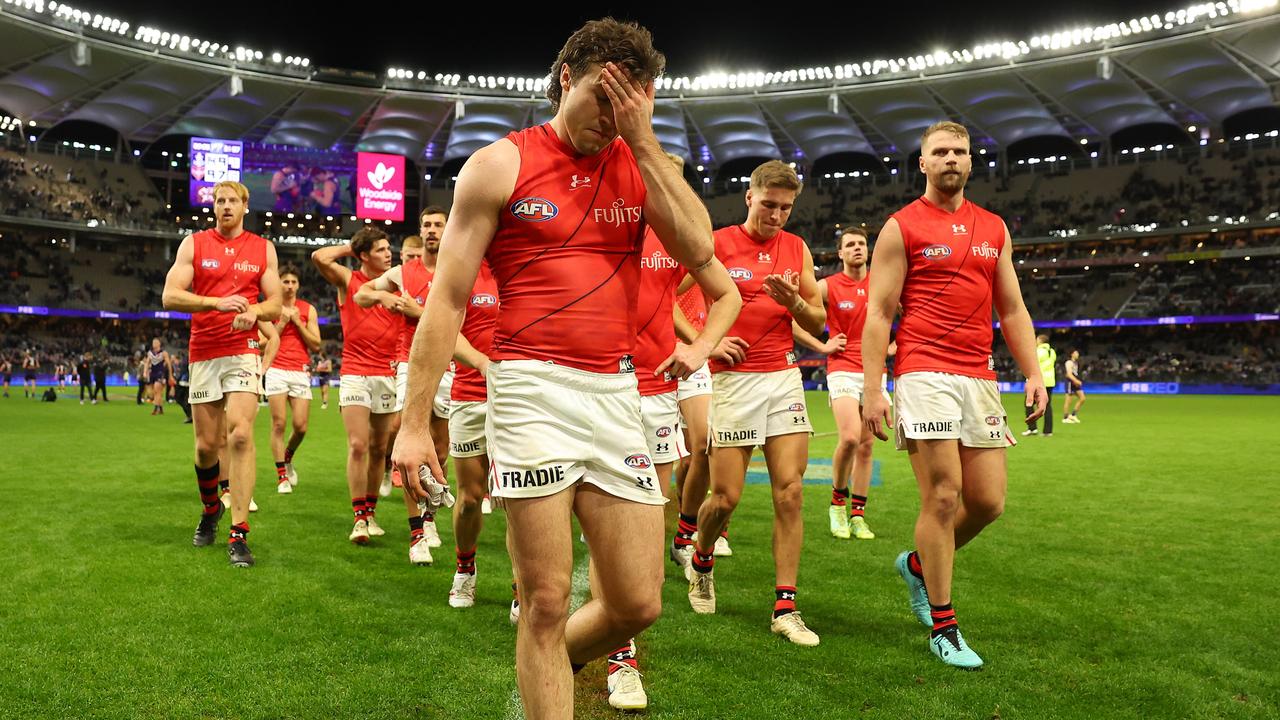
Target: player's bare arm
{"points": [[885, 287], [729, 350], [309, 331], [268, 308], [269, 336], [677, 217], [335, 273], [484, 186], [466, 353], [177, 287], [382, 290], [1016, 326]]}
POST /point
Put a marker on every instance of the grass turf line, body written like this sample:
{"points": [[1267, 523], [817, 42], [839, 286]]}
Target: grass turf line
{"points": [[1128, 578]]}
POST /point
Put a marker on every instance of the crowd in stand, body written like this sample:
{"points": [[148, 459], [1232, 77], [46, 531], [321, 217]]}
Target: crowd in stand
{"points": [[36, 189]]}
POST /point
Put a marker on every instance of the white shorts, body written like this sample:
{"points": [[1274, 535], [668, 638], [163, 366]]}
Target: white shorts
{"points": [[211, 379], [747, 408], [661, 426], [440, 406], [842, 383], [466, 429], [560, 425], [698, 383], [943, 406], [376, 392], [294, 382]]}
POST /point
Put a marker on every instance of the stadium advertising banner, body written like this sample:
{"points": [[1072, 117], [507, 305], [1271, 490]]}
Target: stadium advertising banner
{"points": [[379, 186], [212, 161]]}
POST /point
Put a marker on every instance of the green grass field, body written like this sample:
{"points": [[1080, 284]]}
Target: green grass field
{"points": [[1129, 578]]}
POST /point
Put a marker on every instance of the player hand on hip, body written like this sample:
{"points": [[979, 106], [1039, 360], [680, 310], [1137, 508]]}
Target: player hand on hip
{"points": [[232, 303], [875, 407], [632, 102], [1036, 397], [731, 350], [414, 450], [783, 289]]}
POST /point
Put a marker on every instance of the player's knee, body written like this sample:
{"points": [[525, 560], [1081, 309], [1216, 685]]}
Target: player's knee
{"points": [[240, 435], [277, 425], [358, 448], [986, 509], [788, 495], [943, 501], [299, 431], [639, 611], [544, 609], [865, 446], [725, 499]]}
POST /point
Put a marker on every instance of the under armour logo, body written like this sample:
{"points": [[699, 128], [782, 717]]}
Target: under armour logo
{"points": [[576, 183], [862, 292], [229, 250], [959, 230], [788, 596], [764, 257]]}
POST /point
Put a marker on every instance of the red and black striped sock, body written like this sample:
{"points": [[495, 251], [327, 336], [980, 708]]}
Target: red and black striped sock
{"points": [[466, 561], [703, 563], [857, 505], [685, 528], [371, 505], [281, 474], [784, 600], [239, 531], [358, 508], [913, 564], [839, 496], [944, 616], [415, 529], [207, 480], [623, 657]]}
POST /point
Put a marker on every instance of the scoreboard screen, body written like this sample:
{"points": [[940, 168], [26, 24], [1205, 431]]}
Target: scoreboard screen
{"points": [[212, 161]]}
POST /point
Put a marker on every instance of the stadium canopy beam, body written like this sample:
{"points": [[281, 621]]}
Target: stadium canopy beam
{"points": [[775, 126], [1237, 57], [863, 123], [1055, 107], [1170, 97], [954, 112]]}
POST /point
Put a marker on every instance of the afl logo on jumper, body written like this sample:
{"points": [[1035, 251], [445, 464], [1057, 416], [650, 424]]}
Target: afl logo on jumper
{"points": [[740, 274], [796, 407], [639, 462], [935, 252], [534, 209], [483, 300], [845, 304], [992, 420], [209, 264], [663, 431]]}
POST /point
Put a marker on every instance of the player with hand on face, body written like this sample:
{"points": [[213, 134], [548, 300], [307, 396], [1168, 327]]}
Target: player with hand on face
{"points": [[559, 212]]}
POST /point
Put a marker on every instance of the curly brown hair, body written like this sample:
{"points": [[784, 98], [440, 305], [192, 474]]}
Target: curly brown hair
{"points": [[606, 40]]}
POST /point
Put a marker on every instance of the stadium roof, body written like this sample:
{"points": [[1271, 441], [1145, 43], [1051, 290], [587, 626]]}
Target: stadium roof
{"points": [[1083, 93]]}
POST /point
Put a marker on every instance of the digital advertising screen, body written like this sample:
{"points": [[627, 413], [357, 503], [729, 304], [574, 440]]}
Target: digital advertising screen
{"points": [[380, 186], [285, 179], [212, 161]]}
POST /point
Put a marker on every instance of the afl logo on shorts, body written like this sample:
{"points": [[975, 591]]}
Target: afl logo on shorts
{"points": [[935, 252], [209, 264], [846, 304], [534, 209], [796, 407], [663, 431], [483, 300], [992, 420], [740, 274], [639, 462]]}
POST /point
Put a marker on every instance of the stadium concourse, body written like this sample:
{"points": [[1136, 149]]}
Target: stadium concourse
{"points": [[1143, 205]]}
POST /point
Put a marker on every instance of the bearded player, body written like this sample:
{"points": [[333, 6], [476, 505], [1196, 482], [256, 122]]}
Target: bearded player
{"points": [[947, 261], [217, 276]]}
